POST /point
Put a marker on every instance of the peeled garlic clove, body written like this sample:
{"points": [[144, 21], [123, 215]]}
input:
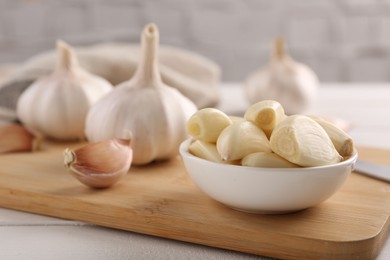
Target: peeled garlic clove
{"points": [[101, 164], [16, 138], [266, 115], [266, 160], [300, 140], [206, 124], [154, 113], [56, 106], [236, 119], [340, 139], [208, 151], [240, 139], [205, 151], [291, 83]]}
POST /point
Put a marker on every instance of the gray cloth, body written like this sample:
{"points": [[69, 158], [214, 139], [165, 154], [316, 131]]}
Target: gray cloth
{"points": [[193, 75]]}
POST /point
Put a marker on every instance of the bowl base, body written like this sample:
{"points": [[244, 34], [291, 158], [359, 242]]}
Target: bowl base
{"points": [[268, 212]]}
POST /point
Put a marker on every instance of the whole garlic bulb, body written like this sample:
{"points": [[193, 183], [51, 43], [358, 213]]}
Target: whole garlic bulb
{"points": [[152, 113], [56, 106], [291, 83]]}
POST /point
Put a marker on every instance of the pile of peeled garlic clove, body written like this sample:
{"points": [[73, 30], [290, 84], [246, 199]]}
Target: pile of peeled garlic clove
{"points": [[267, 137]]}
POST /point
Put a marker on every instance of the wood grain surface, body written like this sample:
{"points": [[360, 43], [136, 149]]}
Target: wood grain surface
{"points": [[161, 200]]}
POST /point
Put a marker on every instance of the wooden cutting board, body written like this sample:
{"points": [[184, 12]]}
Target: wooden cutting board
{"points": [[161, 200]]}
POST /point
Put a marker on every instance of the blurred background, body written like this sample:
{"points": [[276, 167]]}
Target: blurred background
{"points": [[342, 40]]}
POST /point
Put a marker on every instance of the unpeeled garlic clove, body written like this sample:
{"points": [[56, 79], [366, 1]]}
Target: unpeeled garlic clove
{"points": [[301, 140], [16, 138], [240, 139], [101, 164]]}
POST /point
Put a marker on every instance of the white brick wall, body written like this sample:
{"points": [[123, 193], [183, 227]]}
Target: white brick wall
{"points": [[342, 40]]}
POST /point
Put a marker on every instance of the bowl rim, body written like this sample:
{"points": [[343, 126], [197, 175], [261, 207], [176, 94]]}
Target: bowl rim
{"points": [[183, 149]]}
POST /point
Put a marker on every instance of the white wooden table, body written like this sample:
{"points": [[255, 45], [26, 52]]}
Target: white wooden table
{"points": [[29, 236]]}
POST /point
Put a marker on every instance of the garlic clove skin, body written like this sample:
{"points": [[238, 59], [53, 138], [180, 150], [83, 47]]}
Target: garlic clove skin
{"points": [[56, 106], [16, 138], [101, 164], [154, 113], [291, 83]]}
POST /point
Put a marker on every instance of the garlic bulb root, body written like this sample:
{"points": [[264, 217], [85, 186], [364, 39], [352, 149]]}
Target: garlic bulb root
{"points": [[207, 124], [101, 164]]}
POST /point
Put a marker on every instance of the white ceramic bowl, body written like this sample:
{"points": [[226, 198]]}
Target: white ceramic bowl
{"points": [[266, 190]]}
